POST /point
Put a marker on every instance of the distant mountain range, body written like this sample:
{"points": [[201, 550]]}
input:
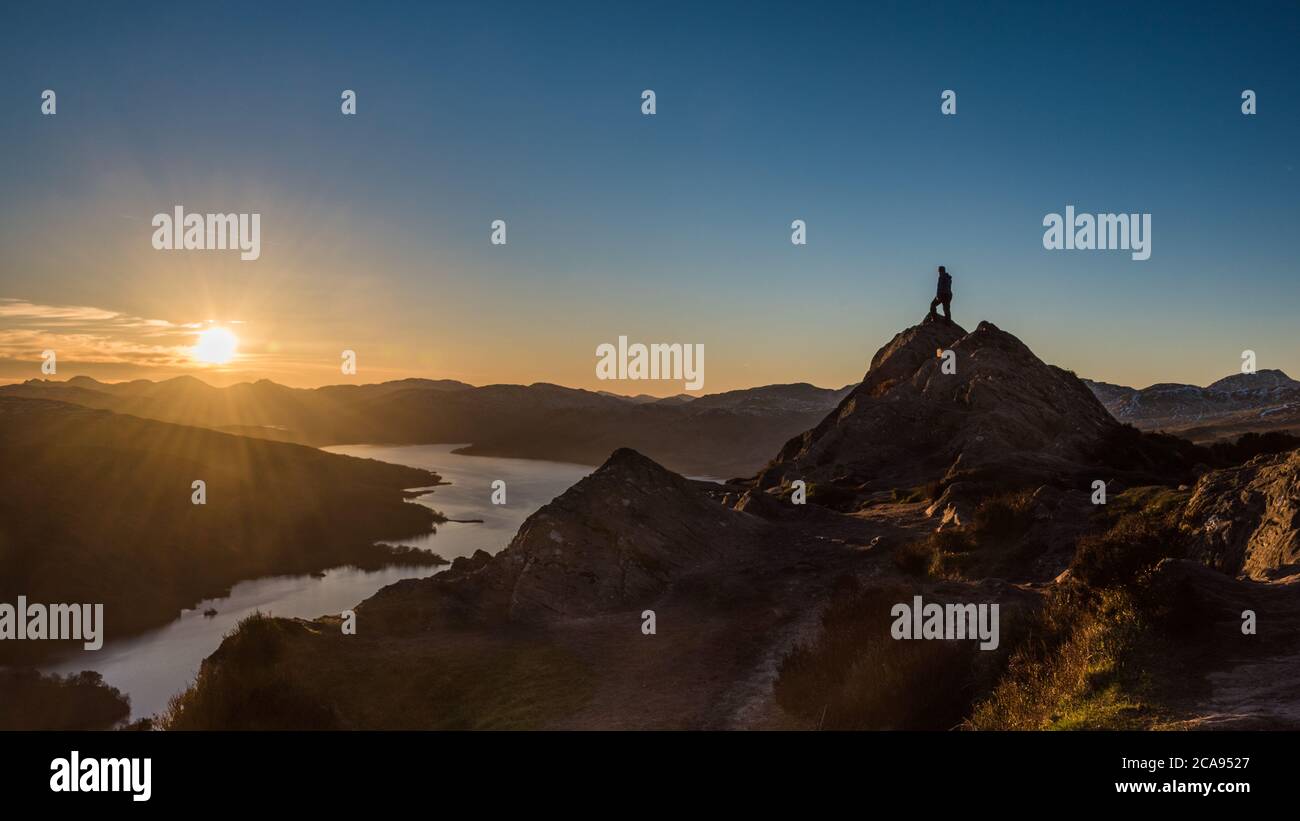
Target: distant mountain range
{"points": [[718, 434], [1241, 403], [723, 434]]}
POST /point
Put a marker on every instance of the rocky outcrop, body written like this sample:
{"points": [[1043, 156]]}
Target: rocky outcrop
{"points": [[954, 507], [1246, 520], [1003, 415], [616, 539], [613, 541]]}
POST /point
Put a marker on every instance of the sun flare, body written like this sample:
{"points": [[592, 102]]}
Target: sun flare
{"points": [[215, 346]]}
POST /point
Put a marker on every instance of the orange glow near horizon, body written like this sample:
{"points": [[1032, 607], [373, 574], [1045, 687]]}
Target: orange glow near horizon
{"points": [[215, 346]]}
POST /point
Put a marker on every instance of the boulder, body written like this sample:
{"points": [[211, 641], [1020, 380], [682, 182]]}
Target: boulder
{"points": [[1245, 520]]}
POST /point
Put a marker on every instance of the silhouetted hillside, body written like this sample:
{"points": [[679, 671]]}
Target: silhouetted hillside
{"points": [[96, 507]]}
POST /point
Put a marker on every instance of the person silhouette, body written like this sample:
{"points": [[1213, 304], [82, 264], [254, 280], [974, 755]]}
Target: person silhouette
{"points": [[943, 295]]}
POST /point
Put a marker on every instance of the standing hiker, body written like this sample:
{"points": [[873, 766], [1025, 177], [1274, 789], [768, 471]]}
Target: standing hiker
{"points": [[943, 295]]}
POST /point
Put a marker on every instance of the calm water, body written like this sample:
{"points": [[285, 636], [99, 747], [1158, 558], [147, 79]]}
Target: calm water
{"points": [[153, 666]]}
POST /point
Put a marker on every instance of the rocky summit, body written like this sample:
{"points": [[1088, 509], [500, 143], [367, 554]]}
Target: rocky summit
{"points": [[996, 413]]}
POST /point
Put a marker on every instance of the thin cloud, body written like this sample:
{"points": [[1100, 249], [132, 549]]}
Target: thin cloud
{"points": [[83, 333], [18, 309]]}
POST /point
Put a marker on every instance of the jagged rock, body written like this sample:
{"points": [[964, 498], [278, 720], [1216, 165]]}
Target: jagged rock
{"points": [[1246, 520], [468, 564], [1004, 417], [763, 504], [954, 506]]}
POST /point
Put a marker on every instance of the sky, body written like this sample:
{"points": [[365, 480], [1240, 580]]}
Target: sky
{"points": [[671, 228]]}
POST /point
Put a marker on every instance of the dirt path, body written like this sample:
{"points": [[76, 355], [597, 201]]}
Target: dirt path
{"points": [[1253, 682], [1253, 695], [723, 630]]}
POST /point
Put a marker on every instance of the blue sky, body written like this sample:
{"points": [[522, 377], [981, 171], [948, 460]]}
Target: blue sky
{"points": [[666, 228]]}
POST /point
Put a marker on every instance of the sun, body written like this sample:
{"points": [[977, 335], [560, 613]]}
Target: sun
{"points": [[215, 346]]}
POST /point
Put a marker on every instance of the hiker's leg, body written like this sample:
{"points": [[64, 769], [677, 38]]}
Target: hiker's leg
{"points": [[947, 309], [934, 303]]}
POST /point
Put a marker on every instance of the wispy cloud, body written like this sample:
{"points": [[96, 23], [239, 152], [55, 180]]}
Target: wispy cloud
{"points": [[18, 309], [82, 333]]}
